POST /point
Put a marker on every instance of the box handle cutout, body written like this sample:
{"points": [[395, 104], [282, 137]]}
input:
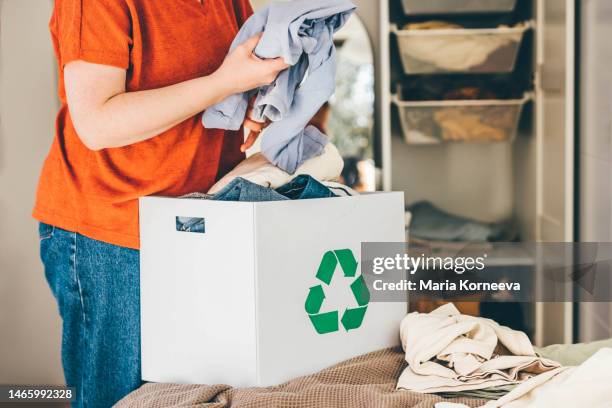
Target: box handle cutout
{"points": [[194, 225]]}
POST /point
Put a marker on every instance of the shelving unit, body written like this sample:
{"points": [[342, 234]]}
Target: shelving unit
{"points": [[530, 179]]}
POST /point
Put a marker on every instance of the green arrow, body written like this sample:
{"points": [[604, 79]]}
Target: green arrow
{"points": [[352, 318], [327, 267], [360, 291], [315, 298], [325, 322], [347, 261]]}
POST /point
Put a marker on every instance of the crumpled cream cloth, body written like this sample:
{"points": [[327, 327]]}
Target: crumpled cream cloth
{"points": [[257, 169], [448, 351]]}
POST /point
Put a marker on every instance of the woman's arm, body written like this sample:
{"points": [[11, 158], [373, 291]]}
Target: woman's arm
{"points": [[106, 116]]}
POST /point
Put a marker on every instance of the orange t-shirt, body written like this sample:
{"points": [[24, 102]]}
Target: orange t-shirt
{"points": [[159, 43]]}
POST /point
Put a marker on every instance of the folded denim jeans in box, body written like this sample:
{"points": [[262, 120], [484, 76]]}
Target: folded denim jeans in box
{"points": [[302, 187]]}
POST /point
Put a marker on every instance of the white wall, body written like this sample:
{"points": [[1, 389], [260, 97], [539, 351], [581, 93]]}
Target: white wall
{"points": [[595, 319], [29, 323]]}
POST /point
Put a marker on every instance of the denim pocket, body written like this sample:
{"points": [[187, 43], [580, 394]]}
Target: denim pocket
{"points": [[45, 231]]}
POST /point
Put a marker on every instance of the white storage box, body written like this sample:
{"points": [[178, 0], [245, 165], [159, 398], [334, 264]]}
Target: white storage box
{"points": [[244, 302], [433, 122], [455, 50], [443, 7]]}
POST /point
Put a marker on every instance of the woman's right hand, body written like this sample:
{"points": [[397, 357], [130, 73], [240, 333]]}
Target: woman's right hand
{"points": [[242, 70]]}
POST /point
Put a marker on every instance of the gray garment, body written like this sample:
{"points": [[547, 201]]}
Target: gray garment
{"points": [[433, 224], [491, 393], [301, 32]]}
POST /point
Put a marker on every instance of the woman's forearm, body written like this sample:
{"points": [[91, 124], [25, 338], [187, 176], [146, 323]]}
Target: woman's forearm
{"points": [[106, 116], [131, 117], [127, 118]]}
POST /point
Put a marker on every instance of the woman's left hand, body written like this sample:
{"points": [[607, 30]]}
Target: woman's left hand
{"points": [[255, 128]]}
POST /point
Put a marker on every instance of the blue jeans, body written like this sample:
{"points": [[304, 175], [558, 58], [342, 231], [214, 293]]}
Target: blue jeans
{"points": [[96, 286], [302, 187]]}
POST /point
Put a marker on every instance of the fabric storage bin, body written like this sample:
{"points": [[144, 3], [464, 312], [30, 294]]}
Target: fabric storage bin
{"points": [[264, 292], [441, 7], [434, 122], [460, 50]]}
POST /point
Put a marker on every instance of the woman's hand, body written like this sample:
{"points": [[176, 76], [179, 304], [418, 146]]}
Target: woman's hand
{"points": [[255, 128], [242, 70], [319, 120]]}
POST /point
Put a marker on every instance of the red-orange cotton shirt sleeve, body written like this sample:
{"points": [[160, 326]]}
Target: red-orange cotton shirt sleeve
{"points": [[97, 31], [158, 43]]}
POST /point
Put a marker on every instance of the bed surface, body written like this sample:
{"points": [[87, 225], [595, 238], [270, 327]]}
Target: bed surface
{"points": [[365, 381]]}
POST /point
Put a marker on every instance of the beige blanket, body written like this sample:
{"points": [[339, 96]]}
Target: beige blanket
{"points": [[365, 381]]}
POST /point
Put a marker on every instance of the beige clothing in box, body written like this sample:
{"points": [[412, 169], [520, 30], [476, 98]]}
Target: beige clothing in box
{"points": [[257, 169], [447, 351]]}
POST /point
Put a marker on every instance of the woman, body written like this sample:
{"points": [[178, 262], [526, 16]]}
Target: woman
{"points": [[134, 75]]}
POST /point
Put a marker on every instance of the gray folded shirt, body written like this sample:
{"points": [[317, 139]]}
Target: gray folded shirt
{"points": [[301, 32]]}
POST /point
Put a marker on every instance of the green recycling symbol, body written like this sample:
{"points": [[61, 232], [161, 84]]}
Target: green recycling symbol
{"points": [[327, 322]]}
